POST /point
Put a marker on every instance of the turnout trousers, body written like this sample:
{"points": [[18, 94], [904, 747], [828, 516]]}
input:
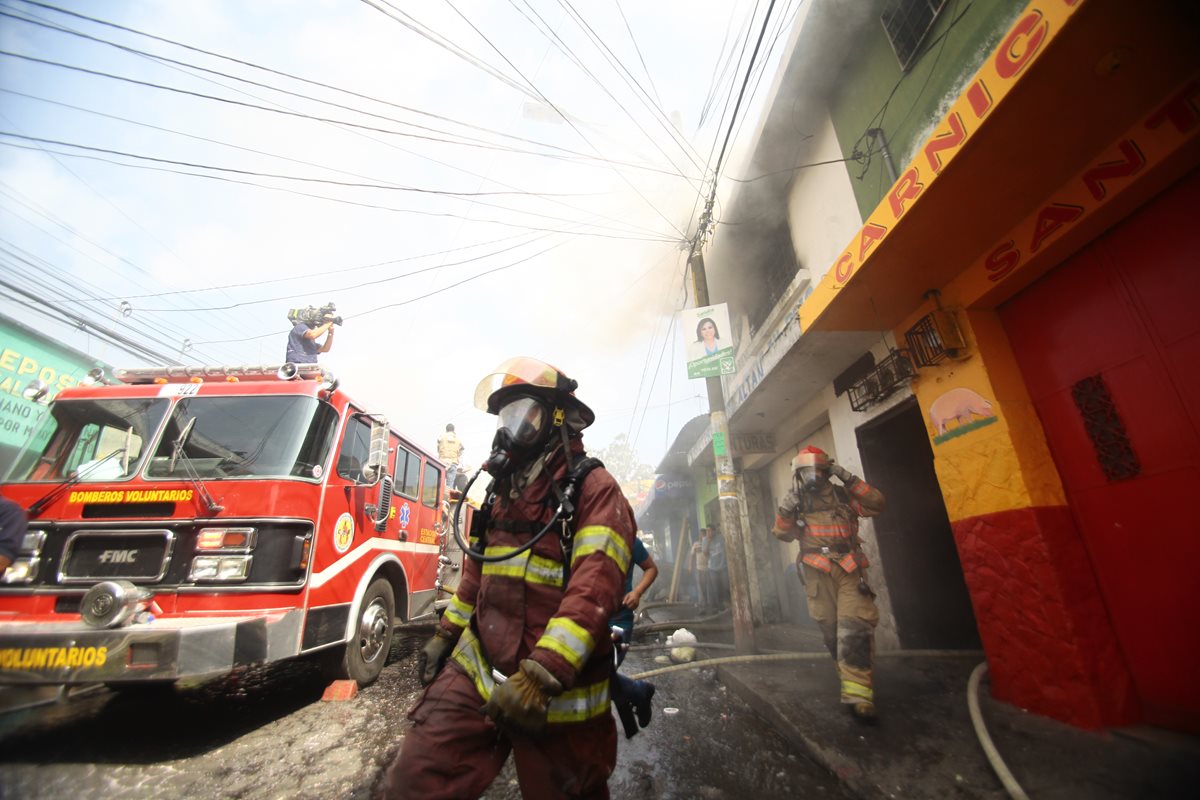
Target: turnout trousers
{"points": [[847, 618], [455, 751]]}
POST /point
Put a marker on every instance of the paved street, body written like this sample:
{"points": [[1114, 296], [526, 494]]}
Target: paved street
{"points": [[268, 735]]}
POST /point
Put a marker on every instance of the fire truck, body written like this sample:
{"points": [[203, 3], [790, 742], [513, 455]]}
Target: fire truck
{"points": [[187, 521]]}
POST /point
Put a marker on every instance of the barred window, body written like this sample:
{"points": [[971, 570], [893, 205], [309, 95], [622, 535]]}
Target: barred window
{"points": [[907, 23]]}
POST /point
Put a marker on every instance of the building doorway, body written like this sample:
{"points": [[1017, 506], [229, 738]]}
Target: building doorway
{"points": [[920, 560]]}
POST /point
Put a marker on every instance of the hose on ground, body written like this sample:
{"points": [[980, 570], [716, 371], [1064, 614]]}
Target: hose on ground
{"points": [[780, 656], [714, 662], [700, 646], [699, 623], [985, 741], [664, 604]]}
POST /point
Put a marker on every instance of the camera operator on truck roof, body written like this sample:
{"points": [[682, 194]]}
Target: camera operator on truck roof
{"points": [[310, 324]]}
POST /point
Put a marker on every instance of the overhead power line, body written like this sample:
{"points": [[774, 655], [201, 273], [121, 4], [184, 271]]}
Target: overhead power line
{"points": [[413, 299], [363, 284], [256, 173], [741, 94], [638, 50], [418, 212], [84, 322], [706, 217], [566, 119], [410, 22], [641, 94], [515, 190], [557, 41], [192, 66]]}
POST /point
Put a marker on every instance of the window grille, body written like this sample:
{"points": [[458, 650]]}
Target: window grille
{"points": [[879, 384], [935, 337], [907, 23]]}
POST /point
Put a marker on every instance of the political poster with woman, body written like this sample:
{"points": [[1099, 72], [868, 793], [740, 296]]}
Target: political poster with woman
{"points": [[710, 352]]}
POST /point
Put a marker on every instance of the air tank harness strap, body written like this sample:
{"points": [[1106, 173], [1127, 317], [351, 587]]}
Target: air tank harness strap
{"points": [[566, 496]]}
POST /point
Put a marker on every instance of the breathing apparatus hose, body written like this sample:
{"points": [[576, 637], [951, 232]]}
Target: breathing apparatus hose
{"points": [[478, 556]]}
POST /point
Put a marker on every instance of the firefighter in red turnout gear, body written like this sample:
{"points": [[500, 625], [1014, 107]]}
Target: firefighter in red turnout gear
{"points": [[538, 617]]}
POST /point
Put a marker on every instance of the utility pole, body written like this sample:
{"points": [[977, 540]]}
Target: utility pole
{"points": [[729, 486], [729, 482]]}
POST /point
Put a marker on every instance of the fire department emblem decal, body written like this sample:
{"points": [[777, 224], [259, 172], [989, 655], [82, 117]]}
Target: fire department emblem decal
{"points": [[343, 533]]}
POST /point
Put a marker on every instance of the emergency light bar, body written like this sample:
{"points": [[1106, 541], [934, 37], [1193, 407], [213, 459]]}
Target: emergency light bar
{"points": [[187, 374]]}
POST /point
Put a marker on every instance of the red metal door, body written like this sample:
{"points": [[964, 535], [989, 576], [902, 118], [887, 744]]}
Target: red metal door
{"points": [[1124, 309]]}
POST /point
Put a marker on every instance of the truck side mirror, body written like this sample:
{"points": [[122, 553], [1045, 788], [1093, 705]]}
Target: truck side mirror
{"points": [[376, 466]]}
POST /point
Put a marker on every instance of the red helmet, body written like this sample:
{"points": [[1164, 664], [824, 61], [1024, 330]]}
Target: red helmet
{"points": [[529, 376], [812, 457]]}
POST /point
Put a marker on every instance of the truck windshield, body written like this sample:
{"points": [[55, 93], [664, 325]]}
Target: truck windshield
{"points": [[90, 440], [246, 437]]}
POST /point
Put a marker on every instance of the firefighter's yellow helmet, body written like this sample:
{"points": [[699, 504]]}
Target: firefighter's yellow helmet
{"points": [[529, 376]]}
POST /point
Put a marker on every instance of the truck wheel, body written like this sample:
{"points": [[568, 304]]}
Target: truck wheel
{"points": [[371, 638]]}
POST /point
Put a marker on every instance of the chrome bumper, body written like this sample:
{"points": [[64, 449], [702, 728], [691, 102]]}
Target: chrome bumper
{"points": [[163, 649]]}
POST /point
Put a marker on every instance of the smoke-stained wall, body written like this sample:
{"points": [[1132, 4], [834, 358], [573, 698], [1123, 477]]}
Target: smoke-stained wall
{"points": [[822, 211], [875, 93]]}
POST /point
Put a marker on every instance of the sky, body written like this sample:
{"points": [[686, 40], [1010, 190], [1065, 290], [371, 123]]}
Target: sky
{"points": [[467, 180]]}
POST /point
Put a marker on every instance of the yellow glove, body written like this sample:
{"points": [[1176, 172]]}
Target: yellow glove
{"points": [[433, 656], [521, 702]]}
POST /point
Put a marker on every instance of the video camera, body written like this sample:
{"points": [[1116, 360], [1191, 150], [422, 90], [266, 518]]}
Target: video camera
{"points": [[311, 315]]}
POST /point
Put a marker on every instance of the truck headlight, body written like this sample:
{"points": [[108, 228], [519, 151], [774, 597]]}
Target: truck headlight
{"points": [[220, 568], [23, 570]]}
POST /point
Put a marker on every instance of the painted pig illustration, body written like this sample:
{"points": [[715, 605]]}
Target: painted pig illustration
{"points": [[958, 405]]}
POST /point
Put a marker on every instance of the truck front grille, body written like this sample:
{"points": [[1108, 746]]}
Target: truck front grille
{"points": [[138, 555]]}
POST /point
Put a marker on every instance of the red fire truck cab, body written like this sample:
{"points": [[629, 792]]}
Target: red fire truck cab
{"points": [[190, 520]]}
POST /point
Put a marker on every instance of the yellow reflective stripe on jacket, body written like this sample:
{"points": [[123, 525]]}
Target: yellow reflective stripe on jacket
{"points": [[468, 655], [527, 567], [545, 571], [569, 639], [576, 705], [602, 539], [458, 613], [512, 567], [579, 704]]}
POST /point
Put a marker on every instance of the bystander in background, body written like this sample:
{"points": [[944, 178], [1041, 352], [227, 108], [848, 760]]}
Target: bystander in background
{"points": [[14, 523], [450, 449]]}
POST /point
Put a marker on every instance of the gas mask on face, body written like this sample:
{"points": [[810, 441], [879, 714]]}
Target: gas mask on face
{"points": [[524, 423], [812, 478]]}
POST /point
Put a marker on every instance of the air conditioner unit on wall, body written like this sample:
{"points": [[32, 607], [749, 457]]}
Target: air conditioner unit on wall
{"points": [[878, 384]]}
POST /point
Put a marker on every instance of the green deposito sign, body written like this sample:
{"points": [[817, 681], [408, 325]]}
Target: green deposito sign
{"points": [[26, 356]]}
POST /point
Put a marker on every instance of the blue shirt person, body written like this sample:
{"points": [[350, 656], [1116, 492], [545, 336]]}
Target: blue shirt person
{"points": [[632, 698], [633, 596], [13, 526], [302, 347]]}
